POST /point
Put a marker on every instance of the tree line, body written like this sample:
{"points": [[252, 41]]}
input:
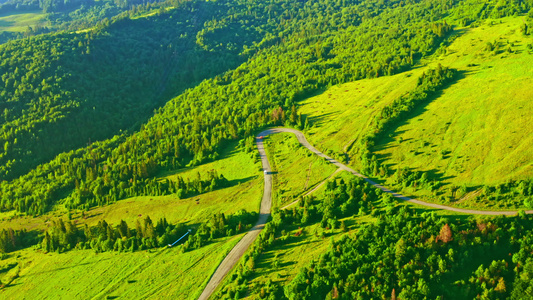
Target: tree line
{"points": [[196, 125], [144, 234]]}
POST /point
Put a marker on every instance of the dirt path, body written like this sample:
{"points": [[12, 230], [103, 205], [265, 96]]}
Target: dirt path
{"points": [[301, 138], [238, 251], [313, 190]]}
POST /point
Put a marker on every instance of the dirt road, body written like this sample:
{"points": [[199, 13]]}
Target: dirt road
{"points": [[238, 251]]}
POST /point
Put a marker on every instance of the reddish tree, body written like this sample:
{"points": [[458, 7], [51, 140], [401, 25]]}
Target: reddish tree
{"points": [[445, 234]]}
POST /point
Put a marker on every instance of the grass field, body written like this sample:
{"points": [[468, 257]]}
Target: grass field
{"points": [[158, 274], [245, 192], [296, 169], [342, 114], [483, 121], [20, 22], [476, 132]]}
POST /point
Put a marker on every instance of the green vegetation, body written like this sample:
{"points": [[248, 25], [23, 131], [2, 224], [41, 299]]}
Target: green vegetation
{"points": [[85, 273], [401, 253], [430, 140], [296, 170], [198, 123], [24, 18], [488, 107], [243, 193], [140, 110], [20, 22]]}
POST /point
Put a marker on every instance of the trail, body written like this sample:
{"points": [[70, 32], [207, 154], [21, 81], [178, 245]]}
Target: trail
{"points": [[238, 251]]}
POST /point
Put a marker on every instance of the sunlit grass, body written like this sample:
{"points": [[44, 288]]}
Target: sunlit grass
{"points": [[19, 22]]}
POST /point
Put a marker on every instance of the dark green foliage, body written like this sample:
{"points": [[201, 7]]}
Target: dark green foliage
{"points": [[11, 240], [61, 91], [218, 226], [75, 14], [146, 234], [105, 237], [417, 256], [193, 127], [341, 199]]}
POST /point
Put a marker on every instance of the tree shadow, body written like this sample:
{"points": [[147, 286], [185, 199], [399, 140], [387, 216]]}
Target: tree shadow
{"points": [[390, 137], [234, 182], [65, 268], [5, 23], [318, 120]]}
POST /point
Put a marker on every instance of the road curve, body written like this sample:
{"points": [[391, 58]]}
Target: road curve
{"points": [[238, 251], [301, 138]]}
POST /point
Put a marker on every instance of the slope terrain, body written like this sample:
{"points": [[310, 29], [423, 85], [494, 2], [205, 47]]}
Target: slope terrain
{"points": [[234, 69], [481, 122], [472, 134]]}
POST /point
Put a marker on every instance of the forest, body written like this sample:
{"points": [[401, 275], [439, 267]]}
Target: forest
{"points": [[403, 254], [114, 94], [292, 51]]}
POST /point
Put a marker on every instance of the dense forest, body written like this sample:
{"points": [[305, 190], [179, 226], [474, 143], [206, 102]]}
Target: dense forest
{"points": [[74, 14], [289, 49], [402, 255]]}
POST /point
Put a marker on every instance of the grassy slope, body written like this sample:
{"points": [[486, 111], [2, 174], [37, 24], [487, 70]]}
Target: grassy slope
{"points": [[160, 273], [342, 113], [157, 274], [296, 169], [244, 193], [20, 22], [482, 119]]}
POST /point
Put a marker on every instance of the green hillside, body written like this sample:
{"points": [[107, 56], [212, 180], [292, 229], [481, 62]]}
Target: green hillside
{"points": [[473, 134], [481, 122], [85, 274], [118, 139], [193, 127]]}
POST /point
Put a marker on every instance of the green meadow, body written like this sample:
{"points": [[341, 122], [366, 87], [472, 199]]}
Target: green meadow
{"points": [[244, 192], [155, 274], [296, 169], [20, 22], [476, 132]]}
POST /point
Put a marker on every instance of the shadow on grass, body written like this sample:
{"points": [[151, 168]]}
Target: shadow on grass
{"points": [[318, 120], [389, 138], [5, 23], [235, 182], [65, 268]]}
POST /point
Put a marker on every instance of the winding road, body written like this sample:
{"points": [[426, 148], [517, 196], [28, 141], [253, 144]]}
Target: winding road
{"points": [[238, 251]]}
